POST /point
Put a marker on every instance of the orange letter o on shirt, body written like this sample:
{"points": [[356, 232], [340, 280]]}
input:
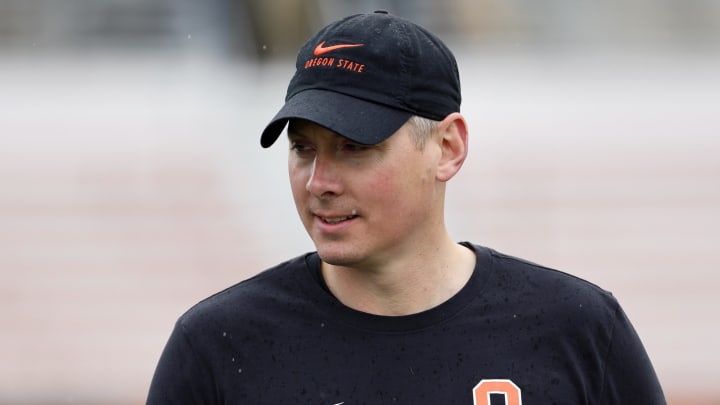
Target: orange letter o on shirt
{"points": [[482, 391]]}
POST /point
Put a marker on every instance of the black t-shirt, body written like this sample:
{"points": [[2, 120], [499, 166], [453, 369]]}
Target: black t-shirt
{"points": [[516, 333]]}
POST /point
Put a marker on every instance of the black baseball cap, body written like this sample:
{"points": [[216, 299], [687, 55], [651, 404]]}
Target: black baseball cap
{"points": [[364, 76]]}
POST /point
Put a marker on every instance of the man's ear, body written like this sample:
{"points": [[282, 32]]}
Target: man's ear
{"points": [[453, 138]]}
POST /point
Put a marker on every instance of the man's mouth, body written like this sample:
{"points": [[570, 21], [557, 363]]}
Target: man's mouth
{"points": [[337, 220]]}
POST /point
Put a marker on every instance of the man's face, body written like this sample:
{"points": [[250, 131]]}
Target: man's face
{"points": [[362, 205]]}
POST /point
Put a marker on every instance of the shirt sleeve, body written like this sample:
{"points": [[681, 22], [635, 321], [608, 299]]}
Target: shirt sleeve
{"points": [[180, 376], [629, 377]]}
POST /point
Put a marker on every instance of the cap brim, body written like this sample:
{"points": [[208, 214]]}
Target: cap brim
{"points": [[356, 119]]}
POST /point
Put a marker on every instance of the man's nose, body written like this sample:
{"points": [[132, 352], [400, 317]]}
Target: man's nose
{"points": [[325, 179]]}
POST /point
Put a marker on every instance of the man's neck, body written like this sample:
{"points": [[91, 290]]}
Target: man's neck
{"points": [[403, 287]]}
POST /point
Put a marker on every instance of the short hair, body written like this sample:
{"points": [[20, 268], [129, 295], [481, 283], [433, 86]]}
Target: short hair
{"points": [[422, 129]]}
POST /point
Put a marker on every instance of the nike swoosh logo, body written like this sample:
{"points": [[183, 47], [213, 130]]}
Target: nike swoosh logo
{"points": [[322, 49]]}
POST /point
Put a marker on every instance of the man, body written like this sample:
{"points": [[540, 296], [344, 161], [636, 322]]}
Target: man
{"points": [[390, 309]]}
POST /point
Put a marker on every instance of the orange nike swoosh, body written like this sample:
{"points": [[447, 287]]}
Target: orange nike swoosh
{"points": [[322, 49]]}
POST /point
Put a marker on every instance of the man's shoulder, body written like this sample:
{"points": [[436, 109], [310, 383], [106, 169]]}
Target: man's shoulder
{"points": [[267, 288], [513, 266], [548, 287]]}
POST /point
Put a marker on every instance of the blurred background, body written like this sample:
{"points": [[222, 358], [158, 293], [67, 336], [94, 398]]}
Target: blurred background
{"points": [[132, 184]]}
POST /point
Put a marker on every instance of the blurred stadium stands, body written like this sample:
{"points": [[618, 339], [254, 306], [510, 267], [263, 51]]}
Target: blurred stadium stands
{"points": [[268, 28], [132, 183]]}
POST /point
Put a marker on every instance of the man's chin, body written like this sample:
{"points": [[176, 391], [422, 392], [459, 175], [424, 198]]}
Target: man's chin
{"points": [[337, 260], [338, 257]]}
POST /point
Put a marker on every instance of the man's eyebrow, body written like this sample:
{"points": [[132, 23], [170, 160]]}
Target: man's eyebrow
{"points": [[293, 133]]}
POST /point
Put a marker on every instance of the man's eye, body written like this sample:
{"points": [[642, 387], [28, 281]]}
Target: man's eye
{"points": [[355, 147], [300, 148]]}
